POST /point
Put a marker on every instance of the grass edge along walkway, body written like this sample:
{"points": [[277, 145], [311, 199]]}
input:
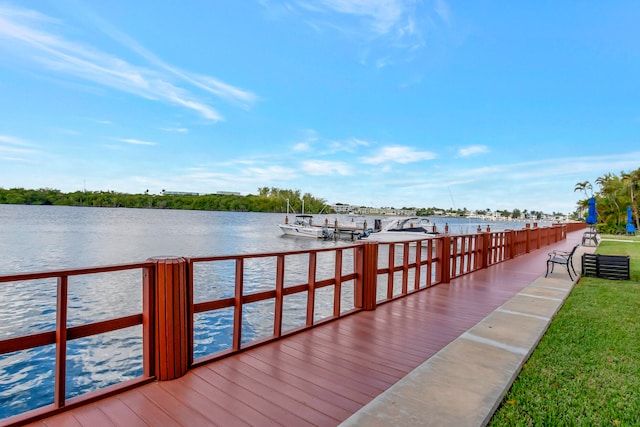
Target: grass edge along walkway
{"points": [[586, 369]]}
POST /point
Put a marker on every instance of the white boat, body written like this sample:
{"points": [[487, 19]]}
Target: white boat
{"points": [[303, 226], [402, 230]]}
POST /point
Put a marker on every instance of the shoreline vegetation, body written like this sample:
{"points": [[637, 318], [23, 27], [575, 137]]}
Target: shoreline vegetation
{"points": [[268, 200], [272, 200]]}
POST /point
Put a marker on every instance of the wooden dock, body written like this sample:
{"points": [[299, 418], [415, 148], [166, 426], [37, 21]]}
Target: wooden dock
{"points": [[323, 375]]}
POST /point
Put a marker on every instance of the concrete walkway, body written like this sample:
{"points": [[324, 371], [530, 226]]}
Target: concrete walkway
{"points": [[464, 383]]}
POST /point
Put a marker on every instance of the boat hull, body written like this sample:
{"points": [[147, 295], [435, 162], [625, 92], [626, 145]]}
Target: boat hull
{"points": [[303, 231], [388, 237]]}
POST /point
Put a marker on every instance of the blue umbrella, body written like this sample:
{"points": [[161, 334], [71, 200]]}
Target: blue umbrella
{"points": [[629, 216], [592, 217], [631, 227]]}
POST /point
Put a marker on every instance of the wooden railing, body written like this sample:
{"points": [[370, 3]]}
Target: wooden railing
{"points": [[274, 287], [332, 283], [62, 334]]}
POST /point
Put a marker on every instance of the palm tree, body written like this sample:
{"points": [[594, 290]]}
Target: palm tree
{"points": [[586, 187], [631, 181], [610, 189]]}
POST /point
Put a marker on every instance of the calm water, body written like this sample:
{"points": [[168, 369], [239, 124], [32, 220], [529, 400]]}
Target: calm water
{"points": [[42, 238]]}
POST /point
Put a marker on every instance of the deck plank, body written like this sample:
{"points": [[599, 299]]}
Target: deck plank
{"points": [[280, 394], [198, 402], [321, 376], [65, 419], [326, 378], [333, 363], [233, 405], [251, 397], [297, 390], [184, 414], [327, 395], [146, 409], [120, 414], [93, 415]]}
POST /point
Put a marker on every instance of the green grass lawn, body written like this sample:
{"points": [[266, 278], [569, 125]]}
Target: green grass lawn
{"points": [[586, 369]]}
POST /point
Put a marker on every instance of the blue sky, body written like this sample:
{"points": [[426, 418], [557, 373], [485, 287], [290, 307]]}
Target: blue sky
{"points": [[476, 104]]}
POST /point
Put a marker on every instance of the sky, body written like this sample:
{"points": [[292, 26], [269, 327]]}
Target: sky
{"points": [[383, 103]]}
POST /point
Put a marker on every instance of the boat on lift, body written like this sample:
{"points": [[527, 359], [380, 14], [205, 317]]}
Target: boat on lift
{"points": [[402, 230], [303, 226]]}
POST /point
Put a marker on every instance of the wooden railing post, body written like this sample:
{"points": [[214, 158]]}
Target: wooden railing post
{"points": [[171, 318], [511, 244], [61, 343], [527, 247], [486, 243], [445, 260], [366, 286], [148, 322]]}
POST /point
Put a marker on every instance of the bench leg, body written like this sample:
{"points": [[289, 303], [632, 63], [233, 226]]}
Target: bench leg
{"points": [[569, 271], [547, 273], [573, 268], [569, 268]]}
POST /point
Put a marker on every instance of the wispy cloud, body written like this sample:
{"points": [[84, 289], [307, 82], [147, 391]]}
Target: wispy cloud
{"points": [[12, 147], [302, 146], [221, 89], [135, 141], [309, 138], [242, 171], [325, 147], [350, 145], [12, 159], [177, 130], [36, 39], [269, 174], [6, 149], [381, 15], [472, 150], [324, 167], [443, 10], [383, 62], [6, 139], [398, 154], [580, 166], [379, 24], [534, 171], [207, 83]]}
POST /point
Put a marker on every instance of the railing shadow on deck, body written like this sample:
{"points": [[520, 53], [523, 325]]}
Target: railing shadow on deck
{"points": [[263, 297]]}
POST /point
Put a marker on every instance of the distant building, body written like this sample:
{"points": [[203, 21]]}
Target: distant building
{"points": [[178, 193], [363, 210], [342, 209], [228, 193]]}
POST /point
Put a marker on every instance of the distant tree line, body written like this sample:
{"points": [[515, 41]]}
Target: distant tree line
{"points": [[616, 193], [267, 200], [501, 213]]}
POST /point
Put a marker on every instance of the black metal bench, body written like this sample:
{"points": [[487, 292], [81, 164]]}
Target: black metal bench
{"points": [[563, 258], [613, 267]]}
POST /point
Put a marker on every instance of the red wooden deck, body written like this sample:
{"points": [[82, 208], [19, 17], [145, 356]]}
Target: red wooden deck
{"points": [[321, 376]]}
